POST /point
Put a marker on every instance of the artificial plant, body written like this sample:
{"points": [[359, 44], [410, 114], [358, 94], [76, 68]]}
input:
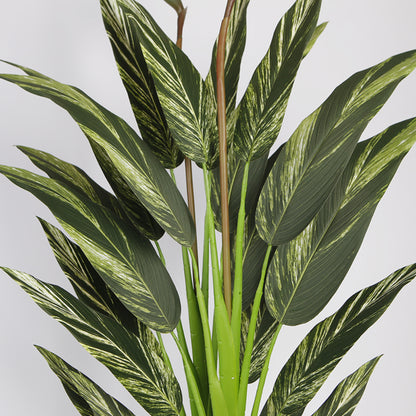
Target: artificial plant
{"points": [[292, 218]]}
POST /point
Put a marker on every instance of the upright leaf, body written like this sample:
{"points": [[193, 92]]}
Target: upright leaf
{"points": [[189, 106], [132, 158], [263, 106], [125, 260], [139, 84], [135, 361], [88, 398], [326, 344], [306, 272], [312, 160], [344, 399]]}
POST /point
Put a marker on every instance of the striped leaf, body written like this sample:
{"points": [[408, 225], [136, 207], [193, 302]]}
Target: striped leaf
{"points": [[125, 260], [130, 156], [312, 160], [306, 272], [326, 344], [189, 106], [139, 84], [88, 398], [315, 36], [348, 393], [263, 105], [87, 283], [135, 361]]}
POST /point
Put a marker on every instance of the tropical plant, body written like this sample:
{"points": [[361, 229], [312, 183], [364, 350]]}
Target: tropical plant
{"points": [[292, 213]]}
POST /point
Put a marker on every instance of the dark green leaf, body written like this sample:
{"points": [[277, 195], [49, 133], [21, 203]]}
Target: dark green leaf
{"points": [[125, 260], [344, 399], [88, 398], [325, 345], [135, 361], [139, 84], [263, 106], [305, 273], [312, 160], [316, 34]]}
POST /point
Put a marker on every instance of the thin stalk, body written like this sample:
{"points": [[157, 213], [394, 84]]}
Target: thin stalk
{"points": [[205, 262], [164, 353], [245, 368], [264, 371], [222, 135]]}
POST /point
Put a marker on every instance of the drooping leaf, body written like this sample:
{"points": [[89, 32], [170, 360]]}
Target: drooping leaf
{"points": [[313, 158], [263, 105], [130, 156], [139, 84], [125, 260], [189, 106], [88, 398], [135, 361], [305, 273], [87, 283], [326, 344], [344, 399]]}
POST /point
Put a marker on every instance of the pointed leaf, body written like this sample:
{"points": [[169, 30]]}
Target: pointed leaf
{"points": [[306, 272], [189, 106], [139, 84], [315, 36], [135, 361], [344, 399], [326, 344], [132, 158], [309, 166], [124, 259], [263, 106], [89, 398]]}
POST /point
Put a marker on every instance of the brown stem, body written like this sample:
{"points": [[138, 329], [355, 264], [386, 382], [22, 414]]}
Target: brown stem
{"points": [[222, 134], [181, 20]]}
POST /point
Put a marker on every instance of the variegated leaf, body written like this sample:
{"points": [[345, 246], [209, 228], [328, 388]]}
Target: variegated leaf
{"points": [[125, 260], [305, 273], [189, 106], [130, 156], [326, 344], [88, 398], [312, 160], [263, 106], [139, 84], [87, 283], [344, 399], [135, 361]]}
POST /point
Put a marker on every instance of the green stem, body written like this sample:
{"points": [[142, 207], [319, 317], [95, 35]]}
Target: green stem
{"points": [[205, 261], [164, 353], [245, 369]]}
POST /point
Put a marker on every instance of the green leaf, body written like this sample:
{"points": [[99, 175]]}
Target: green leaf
{"points": [[176, 4], [136, 361], [125, 260], [85, 280], [315, 36], [263, 105], [312, 160], [88, 398], [344, 399], [132, 158], [139, 84], [306, 272], [189, 106], [325, 345]]}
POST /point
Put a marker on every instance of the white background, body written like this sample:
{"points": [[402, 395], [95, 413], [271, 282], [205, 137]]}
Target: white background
{"points": [[66, 40]]}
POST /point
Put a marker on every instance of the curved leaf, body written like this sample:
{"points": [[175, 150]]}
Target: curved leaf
{"points": [[88, 398], [139, 84], [306, 272], [135, 361], [312, 160], [315, 36], [344, 399], [125, 260], [326, 344], [132, 158], [263, 106]]}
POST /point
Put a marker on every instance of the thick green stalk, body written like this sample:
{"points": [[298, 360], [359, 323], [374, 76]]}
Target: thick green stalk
{"points": [[245, 368]]}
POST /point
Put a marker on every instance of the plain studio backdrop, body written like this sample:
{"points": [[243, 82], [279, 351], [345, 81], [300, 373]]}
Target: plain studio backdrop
{"points": [[66, 40]]}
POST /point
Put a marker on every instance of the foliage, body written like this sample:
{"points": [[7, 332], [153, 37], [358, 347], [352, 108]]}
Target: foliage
{"points": [[292, 219]]}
